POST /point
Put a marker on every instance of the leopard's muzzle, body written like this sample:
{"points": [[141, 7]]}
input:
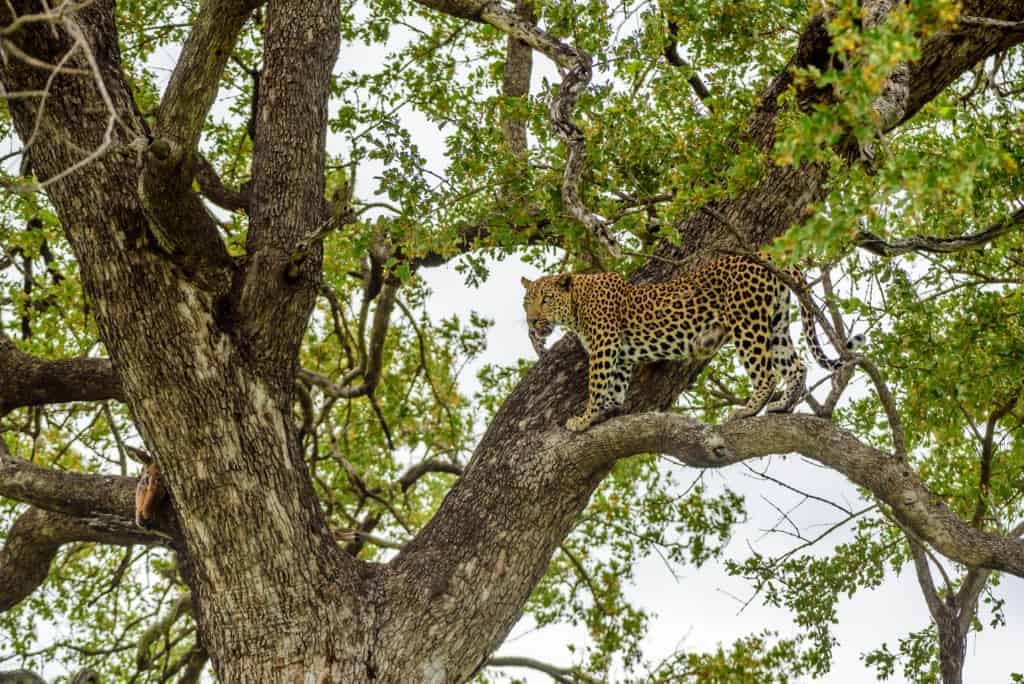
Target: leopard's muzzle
{"points": [[539, 332]]}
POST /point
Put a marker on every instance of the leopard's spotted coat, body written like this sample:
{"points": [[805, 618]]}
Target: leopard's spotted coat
{"points": [[621, 325]]}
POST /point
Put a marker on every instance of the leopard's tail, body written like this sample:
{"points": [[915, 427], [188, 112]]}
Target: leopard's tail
{"points": [[811, 333]]}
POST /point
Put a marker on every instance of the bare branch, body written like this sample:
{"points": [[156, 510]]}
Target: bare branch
{"points": [[889, 479], [415, 472], [75, 494], [516, 81], [213, 189], [196, 78], [892, 413], [672, 55], [924, 578], [968, 20]]}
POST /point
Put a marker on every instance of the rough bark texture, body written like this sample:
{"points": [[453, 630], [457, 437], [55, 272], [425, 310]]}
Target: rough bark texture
{"points": [[205, 350], [31, 381]]}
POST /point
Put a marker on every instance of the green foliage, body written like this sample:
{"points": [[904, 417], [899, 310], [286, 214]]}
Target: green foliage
{"points": [[918, 653]]}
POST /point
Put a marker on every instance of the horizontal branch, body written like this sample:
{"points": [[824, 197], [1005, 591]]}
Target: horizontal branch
{"points": [[433, 465], [867, 240], [31, 381], [36, 537], [967, 20], [75, 494], [892, 481]]}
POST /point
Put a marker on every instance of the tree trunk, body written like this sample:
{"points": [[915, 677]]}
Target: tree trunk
{"points": [[952, 648]]}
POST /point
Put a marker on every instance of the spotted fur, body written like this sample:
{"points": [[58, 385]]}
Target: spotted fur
{"points": [[622, 325]]}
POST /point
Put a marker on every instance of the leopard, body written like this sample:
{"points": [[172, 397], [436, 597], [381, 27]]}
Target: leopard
{"points": [[622, 325]]}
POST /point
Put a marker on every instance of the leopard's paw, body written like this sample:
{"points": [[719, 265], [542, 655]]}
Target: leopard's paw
{"points": [[577, 423]]}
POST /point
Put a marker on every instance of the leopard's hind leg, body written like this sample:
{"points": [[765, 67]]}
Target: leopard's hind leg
{"points": [[786, 360], [752, 340]]}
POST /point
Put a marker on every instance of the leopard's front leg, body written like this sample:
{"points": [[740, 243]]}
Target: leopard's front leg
{"points": [[607, 382]]}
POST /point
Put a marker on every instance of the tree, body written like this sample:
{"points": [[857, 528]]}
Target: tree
{"points": [[280, 419]]}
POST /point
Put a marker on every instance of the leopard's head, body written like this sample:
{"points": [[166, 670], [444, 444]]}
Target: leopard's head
{"points": [[547, 303]]}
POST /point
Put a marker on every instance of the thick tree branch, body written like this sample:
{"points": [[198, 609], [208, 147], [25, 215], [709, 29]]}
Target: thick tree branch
{"points": [[867, 240], [516, 81], [562, 675], [196, 78], [213, 188], [75, 494], [37, 535], [179, 220], [282, 274], [520, 448], [27, 380], [889, 479]]}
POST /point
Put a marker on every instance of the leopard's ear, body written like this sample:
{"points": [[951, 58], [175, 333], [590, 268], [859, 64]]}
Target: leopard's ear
{"points": [[525, 281], [564, 281]]}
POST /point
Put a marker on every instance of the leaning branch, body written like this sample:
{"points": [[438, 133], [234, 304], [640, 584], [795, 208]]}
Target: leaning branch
{"points": [[36, 537], [196, 78], [213, 188], [871, 242], [673, 57], [891, 480]]}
